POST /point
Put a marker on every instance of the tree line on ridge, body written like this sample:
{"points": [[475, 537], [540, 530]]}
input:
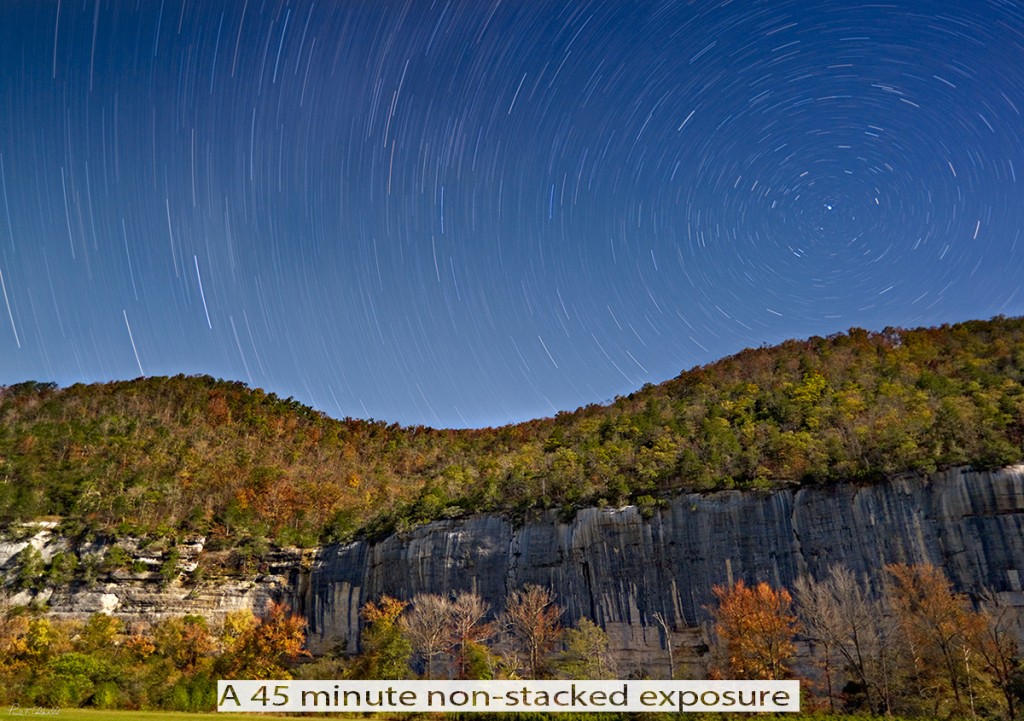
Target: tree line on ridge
{"points": [[194, 455]]}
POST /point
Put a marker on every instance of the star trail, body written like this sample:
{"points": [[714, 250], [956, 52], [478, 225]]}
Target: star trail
{"points": [[472, 213]]}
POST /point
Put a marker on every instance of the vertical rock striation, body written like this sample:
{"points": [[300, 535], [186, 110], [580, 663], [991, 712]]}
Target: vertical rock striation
{"points": [[610, 565], [620, 569]]}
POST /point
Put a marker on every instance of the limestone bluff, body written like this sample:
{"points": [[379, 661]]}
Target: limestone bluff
{"points": [[612, 565]]}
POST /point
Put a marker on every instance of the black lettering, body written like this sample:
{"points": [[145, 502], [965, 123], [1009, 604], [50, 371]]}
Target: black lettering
{"points": [[785, 698], [439, 695], [577, 697], [623, 695], [229, 694], [683, 703], [459, 698], [278, 692], [316, 698]]}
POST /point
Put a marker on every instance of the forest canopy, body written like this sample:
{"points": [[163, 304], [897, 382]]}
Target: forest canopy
{"points": [[199, 455]]}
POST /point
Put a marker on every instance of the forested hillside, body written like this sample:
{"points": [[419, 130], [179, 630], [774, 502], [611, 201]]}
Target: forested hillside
{"points": [[194, 454]]}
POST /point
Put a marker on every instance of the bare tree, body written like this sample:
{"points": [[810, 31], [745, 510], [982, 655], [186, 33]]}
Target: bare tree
{"points": [[822, 624], [852, 627], [467, 628], [660, 619], [533, 620], [996, 642], [428, 626]]}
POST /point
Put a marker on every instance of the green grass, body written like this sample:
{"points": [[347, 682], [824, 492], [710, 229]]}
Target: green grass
{"points": [[82, 714], [78, 714]]}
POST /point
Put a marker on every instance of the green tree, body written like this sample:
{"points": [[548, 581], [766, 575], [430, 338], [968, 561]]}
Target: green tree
{"points": [[99, 634], [386, 650], [586, 655], [69, 680], [61, 570], [169, 567], [31, 568], [186, 641]]}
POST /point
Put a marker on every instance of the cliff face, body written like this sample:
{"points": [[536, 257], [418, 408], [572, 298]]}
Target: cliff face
{"points": [[611, 565], [620, 569], [141, 589]]}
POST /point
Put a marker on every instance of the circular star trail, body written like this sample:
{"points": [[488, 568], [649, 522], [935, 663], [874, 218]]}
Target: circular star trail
{"points": [[473, 213]]}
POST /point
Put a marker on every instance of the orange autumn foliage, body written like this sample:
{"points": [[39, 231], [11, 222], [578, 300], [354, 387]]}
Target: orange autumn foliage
{"points": [[755, 628]]}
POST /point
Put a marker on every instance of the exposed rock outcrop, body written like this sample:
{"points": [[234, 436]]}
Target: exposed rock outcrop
{"points": [[614, 566], [611, 565], [145, 586]]}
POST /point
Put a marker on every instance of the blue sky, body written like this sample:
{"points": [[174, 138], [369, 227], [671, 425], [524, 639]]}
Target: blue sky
{"points": [[474, 213]]}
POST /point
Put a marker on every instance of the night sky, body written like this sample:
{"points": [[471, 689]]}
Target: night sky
{"points": [[472, 213]]}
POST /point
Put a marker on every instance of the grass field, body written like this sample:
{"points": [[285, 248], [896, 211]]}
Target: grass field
{"points": [[76, 714], [80, 714]]}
